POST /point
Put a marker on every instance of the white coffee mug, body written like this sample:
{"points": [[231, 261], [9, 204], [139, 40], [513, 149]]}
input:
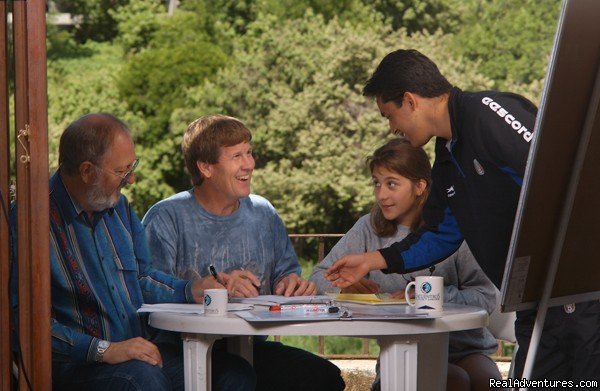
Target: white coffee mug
{"points": [[429, 293], [215, 302]]}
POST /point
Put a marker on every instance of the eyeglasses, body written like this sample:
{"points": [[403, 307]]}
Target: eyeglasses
{"points": [[125, 175]]}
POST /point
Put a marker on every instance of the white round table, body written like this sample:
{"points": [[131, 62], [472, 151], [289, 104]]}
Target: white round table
{"points": [[413, 352]]}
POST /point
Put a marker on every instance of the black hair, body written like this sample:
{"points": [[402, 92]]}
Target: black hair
{"points": [[406, 71]]}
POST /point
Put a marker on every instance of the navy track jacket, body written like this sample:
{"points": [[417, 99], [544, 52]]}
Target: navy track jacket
{"points": [[477, 178]]}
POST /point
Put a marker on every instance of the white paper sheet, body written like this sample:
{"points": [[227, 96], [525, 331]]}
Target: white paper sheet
{"points": [[181, 308]]}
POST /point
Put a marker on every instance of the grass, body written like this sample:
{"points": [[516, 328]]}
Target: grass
{"points": [[333, 345]]}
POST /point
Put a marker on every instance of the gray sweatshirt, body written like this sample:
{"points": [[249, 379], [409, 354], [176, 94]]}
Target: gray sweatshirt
{"points": [[465, 282]]}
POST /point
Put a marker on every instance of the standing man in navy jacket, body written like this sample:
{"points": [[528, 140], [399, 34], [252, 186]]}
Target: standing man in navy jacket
{"points": [[482, 144]]}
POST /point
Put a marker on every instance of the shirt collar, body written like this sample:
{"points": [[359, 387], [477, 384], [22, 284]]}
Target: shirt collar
{"points": [[442, 151], [452, 104]]}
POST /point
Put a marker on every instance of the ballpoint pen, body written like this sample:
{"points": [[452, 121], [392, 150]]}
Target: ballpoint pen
{"points": [[213, 272]]}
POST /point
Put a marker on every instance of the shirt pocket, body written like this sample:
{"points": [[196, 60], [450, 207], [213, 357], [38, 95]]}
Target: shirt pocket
{"points": [[128, 276], [127, 271], [125, 260]]}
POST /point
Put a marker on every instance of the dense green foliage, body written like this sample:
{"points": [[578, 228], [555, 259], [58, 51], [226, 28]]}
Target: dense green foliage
{"points": [[96, 22], [511, 39], [421, 15], [291, 70]]}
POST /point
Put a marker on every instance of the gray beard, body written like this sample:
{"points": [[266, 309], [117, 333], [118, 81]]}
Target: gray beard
{"points": [[98, 199]]}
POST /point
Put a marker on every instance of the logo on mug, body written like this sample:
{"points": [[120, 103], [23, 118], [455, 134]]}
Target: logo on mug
{"points": [[207, 299], [426, 287]]}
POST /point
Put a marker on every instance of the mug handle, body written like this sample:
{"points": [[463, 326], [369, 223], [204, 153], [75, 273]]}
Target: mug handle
{"points": [[406, 295]]}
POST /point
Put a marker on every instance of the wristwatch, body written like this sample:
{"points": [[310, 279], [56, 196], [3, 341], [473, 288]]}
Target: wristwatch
{"points": [[100, 349]]}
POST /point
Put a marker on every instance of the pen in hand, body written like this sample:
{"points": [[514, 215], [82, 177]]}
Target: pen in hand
{"points": [[213, 272]]}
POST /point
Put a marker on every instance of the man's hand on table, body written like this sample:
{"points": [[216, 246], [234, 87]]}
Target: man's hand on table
{"points": [[242, 283], [294, 285]]}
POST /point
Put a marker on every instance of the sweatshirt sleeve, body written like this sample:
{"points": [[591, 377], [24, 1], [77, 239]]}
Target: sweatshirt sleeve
{"points": [[162, 235], [354, 241], [286, 261], [157, 286]]}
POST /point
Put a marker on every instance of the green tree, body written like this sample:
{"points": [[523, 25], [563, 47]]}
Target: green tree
{"points": [[137, 21], [240, 14], [412, 15], [420, 15], [511, 39], [176, 57], [97, 23], [83, 83]]}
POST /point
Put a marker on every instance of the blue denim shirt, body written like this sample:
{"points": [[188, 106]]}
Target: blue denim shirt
{"points": [[100, 275]]}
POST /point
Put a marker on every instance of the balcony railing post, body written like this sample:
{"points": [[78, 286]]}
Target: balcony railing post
{"points": [[321, 345], [321, 252], [365, 343]]}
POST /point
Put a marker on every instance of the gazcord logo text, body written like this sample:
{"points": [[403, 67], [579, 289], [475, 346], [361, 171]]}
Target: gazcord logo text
{"points": [[509, 118]]}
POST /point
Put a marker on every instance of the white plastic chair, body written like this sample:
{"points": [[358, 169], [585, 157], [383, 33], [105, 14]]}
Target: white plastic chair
{"points": [[502, 326]]}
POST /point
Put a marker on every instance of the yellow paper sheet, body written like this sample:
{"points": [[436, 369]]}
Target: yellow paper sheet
{"points": [[368, 298]]}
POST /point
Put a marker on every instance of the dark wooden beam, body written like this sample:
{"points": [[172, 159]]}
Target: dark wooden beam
{"points": [[39, 197], [31, 123], [5, 322], [23, 212]]}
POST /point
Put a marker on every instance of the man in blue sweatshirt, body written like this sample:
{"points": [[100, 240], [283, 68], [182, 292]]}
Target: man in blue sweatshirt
{"points": [[219, 222]]}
